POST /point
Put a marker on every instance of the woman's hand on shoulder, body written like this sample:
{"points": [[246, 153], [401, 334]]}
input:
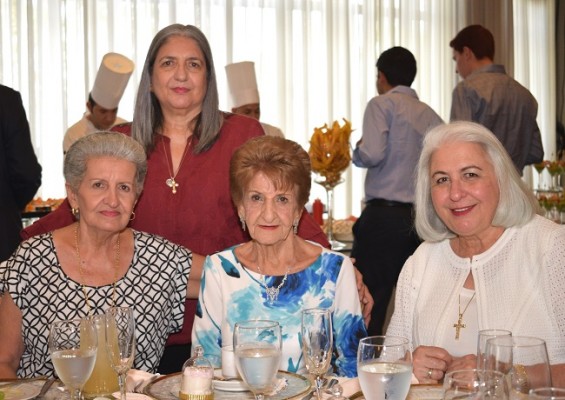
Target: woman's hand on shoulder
{"points": [[365, 297], [430, 364]]}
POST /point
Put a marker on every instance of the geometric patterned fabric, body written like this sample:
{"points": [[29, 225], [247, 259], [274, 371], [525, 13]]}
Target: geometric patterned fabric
{"points": [[154, 286]]}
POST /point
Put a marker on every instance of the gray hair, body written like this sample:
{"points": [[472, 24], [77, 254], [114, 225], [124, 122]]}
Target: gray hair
{"points": [[104, 144], [517, 204], [148, 116]]}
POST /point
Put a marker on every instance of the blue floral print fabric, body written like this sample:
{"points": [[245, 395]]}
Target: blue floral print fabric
{"points": [[229, 293]]}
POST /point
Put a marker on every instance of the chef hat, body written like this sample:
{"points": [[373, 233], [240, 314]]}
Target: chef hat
{"points": [[242, 83], [111, 80]]}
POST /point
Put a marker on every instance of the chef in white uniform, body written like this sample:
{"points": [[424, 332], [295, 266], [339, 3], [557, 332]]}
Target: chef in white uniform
{"points": [[244, 94], [104, 98]]}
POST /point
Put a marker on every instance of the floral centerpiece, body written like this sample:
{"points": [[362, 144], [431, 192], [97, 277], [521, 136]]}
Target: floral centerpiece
{"points": [[330, 151], [330, 155]]}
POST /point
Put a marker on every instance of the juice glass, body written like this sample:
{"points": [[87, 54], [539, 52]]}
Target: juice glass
{"points": [[104, 380]]}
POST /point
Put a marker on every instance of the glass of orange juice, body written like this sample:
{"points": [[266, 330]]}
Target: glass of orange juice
{"points": [[104, 380]]}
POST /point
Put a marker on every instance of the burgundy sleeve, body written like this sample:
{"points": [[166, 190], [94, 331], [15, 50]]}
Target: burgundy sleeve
{"points": [[59, 218], [308, 229]]}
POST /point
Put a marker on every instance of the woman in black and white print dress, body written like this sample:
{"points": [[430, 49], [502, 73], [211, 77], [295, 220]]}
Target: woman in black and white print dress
{"points": [[94, 263]]}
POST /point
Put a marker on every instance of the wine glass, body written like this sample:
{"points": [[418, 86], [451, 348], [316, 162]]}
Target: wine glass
{"points": [[120, 342], [317, 343], [474, 384], [72, 345], [547, 393], [257, 348], [522, 359], [384, 366], [540, 168], [485, 335]]}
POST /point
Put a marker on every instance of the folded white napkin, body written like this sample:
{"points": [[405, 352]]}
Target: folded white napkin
{"points": [[136, 380]]}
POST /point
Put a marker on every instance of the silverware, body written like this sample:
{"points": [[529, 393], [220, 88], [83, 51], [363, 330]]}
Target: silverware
{"points": [[331, 384], [45, 388]]}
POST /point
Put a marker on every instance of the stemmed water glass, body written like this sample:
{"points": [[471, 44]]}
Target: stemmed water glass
{"points": [[522, 359], [485, 335], [317, 343], [384, 366], [72, 345], [120, 342], [257, 349]]}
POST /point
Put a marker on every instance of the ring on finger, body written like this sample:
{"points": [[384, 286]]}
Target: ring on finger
{"points": [[429, 373]]}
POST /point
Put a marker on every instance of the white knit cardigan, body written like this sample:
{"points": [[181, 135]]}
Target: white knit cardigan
{"points": [[519, 284]]}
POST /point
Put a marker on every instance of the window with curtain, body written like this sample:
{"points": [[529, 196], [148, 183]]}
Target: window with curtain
{"points": [[315, 59]]}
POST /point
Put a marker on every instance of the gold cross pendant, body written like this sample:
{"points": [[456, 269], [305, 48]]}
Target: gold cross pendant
{"points": [[458, 326], [172, 184]]}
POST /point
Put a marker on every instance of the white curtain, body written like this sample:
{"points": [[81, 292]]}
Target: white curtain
{"points": [[315, 59]]}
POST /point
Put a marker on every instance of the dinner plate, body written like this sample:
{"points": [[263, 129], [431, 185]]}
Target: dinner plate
{"points": [[417, 392], [22, 391], [167, 387]]}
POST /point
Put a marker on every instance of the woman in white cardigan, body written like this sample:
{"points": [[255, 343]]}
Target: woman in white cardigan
{"points": [[488, 260]]}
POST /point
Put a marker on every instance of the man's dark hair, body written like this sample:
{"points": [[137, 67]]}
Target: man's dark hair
{"points": [[477, 38], [91, 100], [398, 65]]}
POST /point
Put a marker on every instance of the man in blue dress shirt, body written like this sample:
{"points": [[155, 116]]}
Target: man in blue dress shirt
{"points": [[394, 125]]}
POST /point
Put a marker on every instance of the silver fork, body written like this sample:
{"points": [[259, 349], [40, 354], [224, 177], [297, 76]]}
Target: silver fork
{"points": [[44, 388]]}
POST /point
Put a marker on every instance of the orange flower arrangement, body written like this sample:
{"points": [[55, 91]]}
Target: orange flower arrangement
{"points": [[330, 151]]}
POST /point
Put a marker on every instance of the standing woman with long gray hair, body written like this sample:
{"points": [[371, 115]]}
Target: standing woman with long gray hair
{"points": [[189, 143]]}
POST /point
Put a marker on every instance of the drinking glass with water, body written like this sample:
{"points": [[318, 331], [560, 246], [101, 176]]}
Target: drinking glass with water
{"points": [[384, 367], [257, 347]]}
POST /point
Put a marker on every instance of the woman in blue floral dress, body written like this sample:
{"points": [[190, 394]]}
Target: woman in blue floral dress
{"points": [[277, 274]]}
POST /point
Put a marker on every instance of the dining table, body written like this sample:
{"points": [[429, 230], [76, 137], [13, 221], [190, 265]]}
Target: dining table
{"points": [[166, 387]]}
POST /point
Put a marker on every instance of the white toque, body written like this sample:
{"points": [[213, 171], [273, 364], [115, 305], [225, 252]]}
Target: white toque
{"points": [[242, 83], [111, 80]]}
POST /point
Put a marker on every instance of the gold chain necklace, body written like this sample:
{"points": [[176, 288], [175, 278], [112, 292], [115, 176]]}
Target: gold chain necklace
{"points": [[460, 323], [81, 271], [171, 181]]}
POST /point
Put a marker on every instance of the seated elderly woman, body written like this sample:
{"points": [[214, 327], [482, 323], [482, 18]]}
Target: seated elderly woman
{"points": [[488, 261], [276, 274], [93, 264]]}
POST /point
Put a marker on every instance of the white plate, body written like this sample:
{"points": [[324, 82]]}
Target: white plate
{"points": [[23, 391], [167, 387], [417, 392], [132, 396], [235, 385]]}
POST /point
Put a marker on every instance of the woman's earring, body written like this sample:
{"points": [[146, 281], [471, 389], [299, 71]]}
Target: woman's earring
{"points": [[132, 217], [295, 227], [75, 212], [242, 223]]}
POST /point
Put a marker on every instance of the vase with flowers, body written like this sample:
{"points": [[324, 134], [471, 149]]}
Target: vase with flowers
{"points": [[330, 155]]}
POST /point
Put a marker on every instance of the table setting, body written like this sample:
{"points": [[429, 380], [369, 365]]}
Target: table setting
{"points": [[509, 367]]}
